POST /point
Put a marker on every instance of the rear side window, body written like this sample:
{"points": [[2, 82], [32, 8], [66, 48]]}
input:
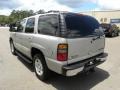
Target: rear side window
{"points": [[30, 25], [80, 25], [48, 25]]}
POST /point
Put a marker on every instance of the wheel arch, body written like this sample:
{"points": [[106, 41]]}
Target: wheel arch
{"points": [[35, 51]]}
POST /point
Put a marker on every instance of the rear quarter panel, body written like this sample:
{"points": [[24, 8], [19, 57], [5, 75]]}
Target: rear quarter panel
{"points": [[47, 44]]}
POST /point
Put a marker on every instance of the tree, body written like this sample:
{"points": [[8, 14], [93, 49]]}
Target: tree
{"points": [[3, 19], [17, 15], [41, 11]]}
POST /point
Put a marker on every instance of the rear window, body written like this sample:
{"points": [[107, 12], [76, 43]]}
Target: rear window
{"points": [[80, 25]]}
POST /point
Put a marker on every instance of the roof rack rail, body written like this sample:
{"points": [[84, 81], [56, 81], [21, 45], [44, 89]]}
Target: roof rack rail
{"points": [[53, 11]]}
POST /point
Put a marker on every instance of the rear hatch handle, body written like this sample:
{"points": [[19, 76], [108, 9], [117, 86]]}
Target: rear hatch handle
{"points": [[98, 37]]}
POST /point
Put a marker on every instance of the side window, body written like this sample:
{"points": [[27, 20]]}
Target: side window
{"points": [[30, 25], [48, 25], [21, 25]]}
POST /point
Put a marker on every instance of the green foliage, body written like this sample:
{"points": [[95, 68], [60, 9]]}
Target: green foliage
{"points": [[3, 19], [17, 15]]}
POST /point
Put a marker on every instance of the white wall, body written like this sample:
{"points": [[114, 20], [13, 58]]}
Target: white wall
{"points": [[105, 15]]}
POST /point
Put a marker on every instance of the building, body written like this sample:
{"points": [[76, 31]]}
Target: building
{"points": [[111, 16]]}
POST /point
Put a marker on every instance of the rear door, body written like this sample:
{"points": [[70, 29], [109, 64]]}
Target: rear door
{"points": [[83, 36], [27, 36]]}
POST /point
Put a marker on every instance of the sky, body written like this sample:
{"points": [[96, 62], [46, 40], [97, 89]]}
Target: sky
{"points": [[6, 6]]}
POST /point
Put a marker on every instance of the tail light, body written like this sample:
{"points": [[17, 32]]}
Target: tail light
{"points": [[62, 52]]}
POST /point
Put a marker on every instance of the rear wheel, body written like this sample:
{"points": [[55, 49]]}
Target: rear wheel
{"points": [[92, 69], [13, 50], [41, 69]]}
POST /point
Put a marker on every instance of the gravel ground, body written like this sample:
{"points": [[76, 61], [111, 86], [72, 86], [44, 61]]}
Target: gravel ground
{"points": [[16, 74]]}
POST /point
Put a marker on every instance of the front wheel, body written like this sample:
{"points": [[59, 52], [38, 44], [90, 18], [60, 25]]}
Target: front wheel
{"points": [[13, 51], [41, 69], [118, 34], [112, 34]]}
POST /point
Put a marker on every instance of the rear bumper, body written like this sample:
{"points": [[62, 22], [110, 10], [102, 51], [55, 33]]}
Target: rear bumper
{"points": [[73, 69]]}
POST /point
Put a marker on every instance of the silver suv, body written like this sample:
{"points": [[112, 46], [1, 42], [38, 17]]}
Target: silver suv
{"points": [[63, 42]]}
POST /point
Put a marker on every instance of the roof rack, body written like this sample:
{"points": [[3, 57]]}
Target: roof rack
{"points": [[53, 11]]}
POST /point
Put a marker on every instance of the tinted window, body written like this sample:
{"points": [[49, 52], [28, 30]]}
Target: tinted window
{"points": [[80, 25], [48, 25], [30, 25], [20, 25]]}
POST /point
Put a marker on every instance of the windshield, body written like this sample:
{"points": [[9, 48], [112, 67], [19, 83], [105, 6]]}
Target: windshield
{"points": [[80, 25]]}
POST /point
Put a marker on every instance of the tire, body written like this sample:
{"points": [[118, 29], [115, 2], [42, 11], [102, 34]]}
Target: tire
{"points": [[118, 34], [13, 50], [92, 69], [40, 67], [113, 34]]}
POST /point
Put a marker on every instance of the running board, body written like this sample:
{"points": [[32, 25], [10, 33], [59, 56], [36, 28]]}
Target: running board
{"points": [[23, 57]]}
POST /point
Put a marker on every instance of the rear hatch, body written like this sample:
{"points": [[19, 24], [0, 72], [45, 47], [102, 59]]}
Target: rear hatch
{"points": [[85, 38]]}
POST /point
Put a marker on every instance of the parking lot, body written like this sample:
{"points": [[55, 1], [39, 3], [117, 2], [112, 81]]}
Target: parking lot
{"points": [[16, 74]]}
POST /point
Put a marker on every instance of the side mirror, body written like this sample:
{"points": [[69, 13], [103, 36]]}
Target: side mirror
{"points": [[13, 28]]}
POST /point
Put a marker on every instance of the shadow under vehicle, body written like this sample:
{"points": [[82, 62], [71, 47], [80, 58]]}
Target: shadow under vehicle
{"points": [[82, 81]]}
